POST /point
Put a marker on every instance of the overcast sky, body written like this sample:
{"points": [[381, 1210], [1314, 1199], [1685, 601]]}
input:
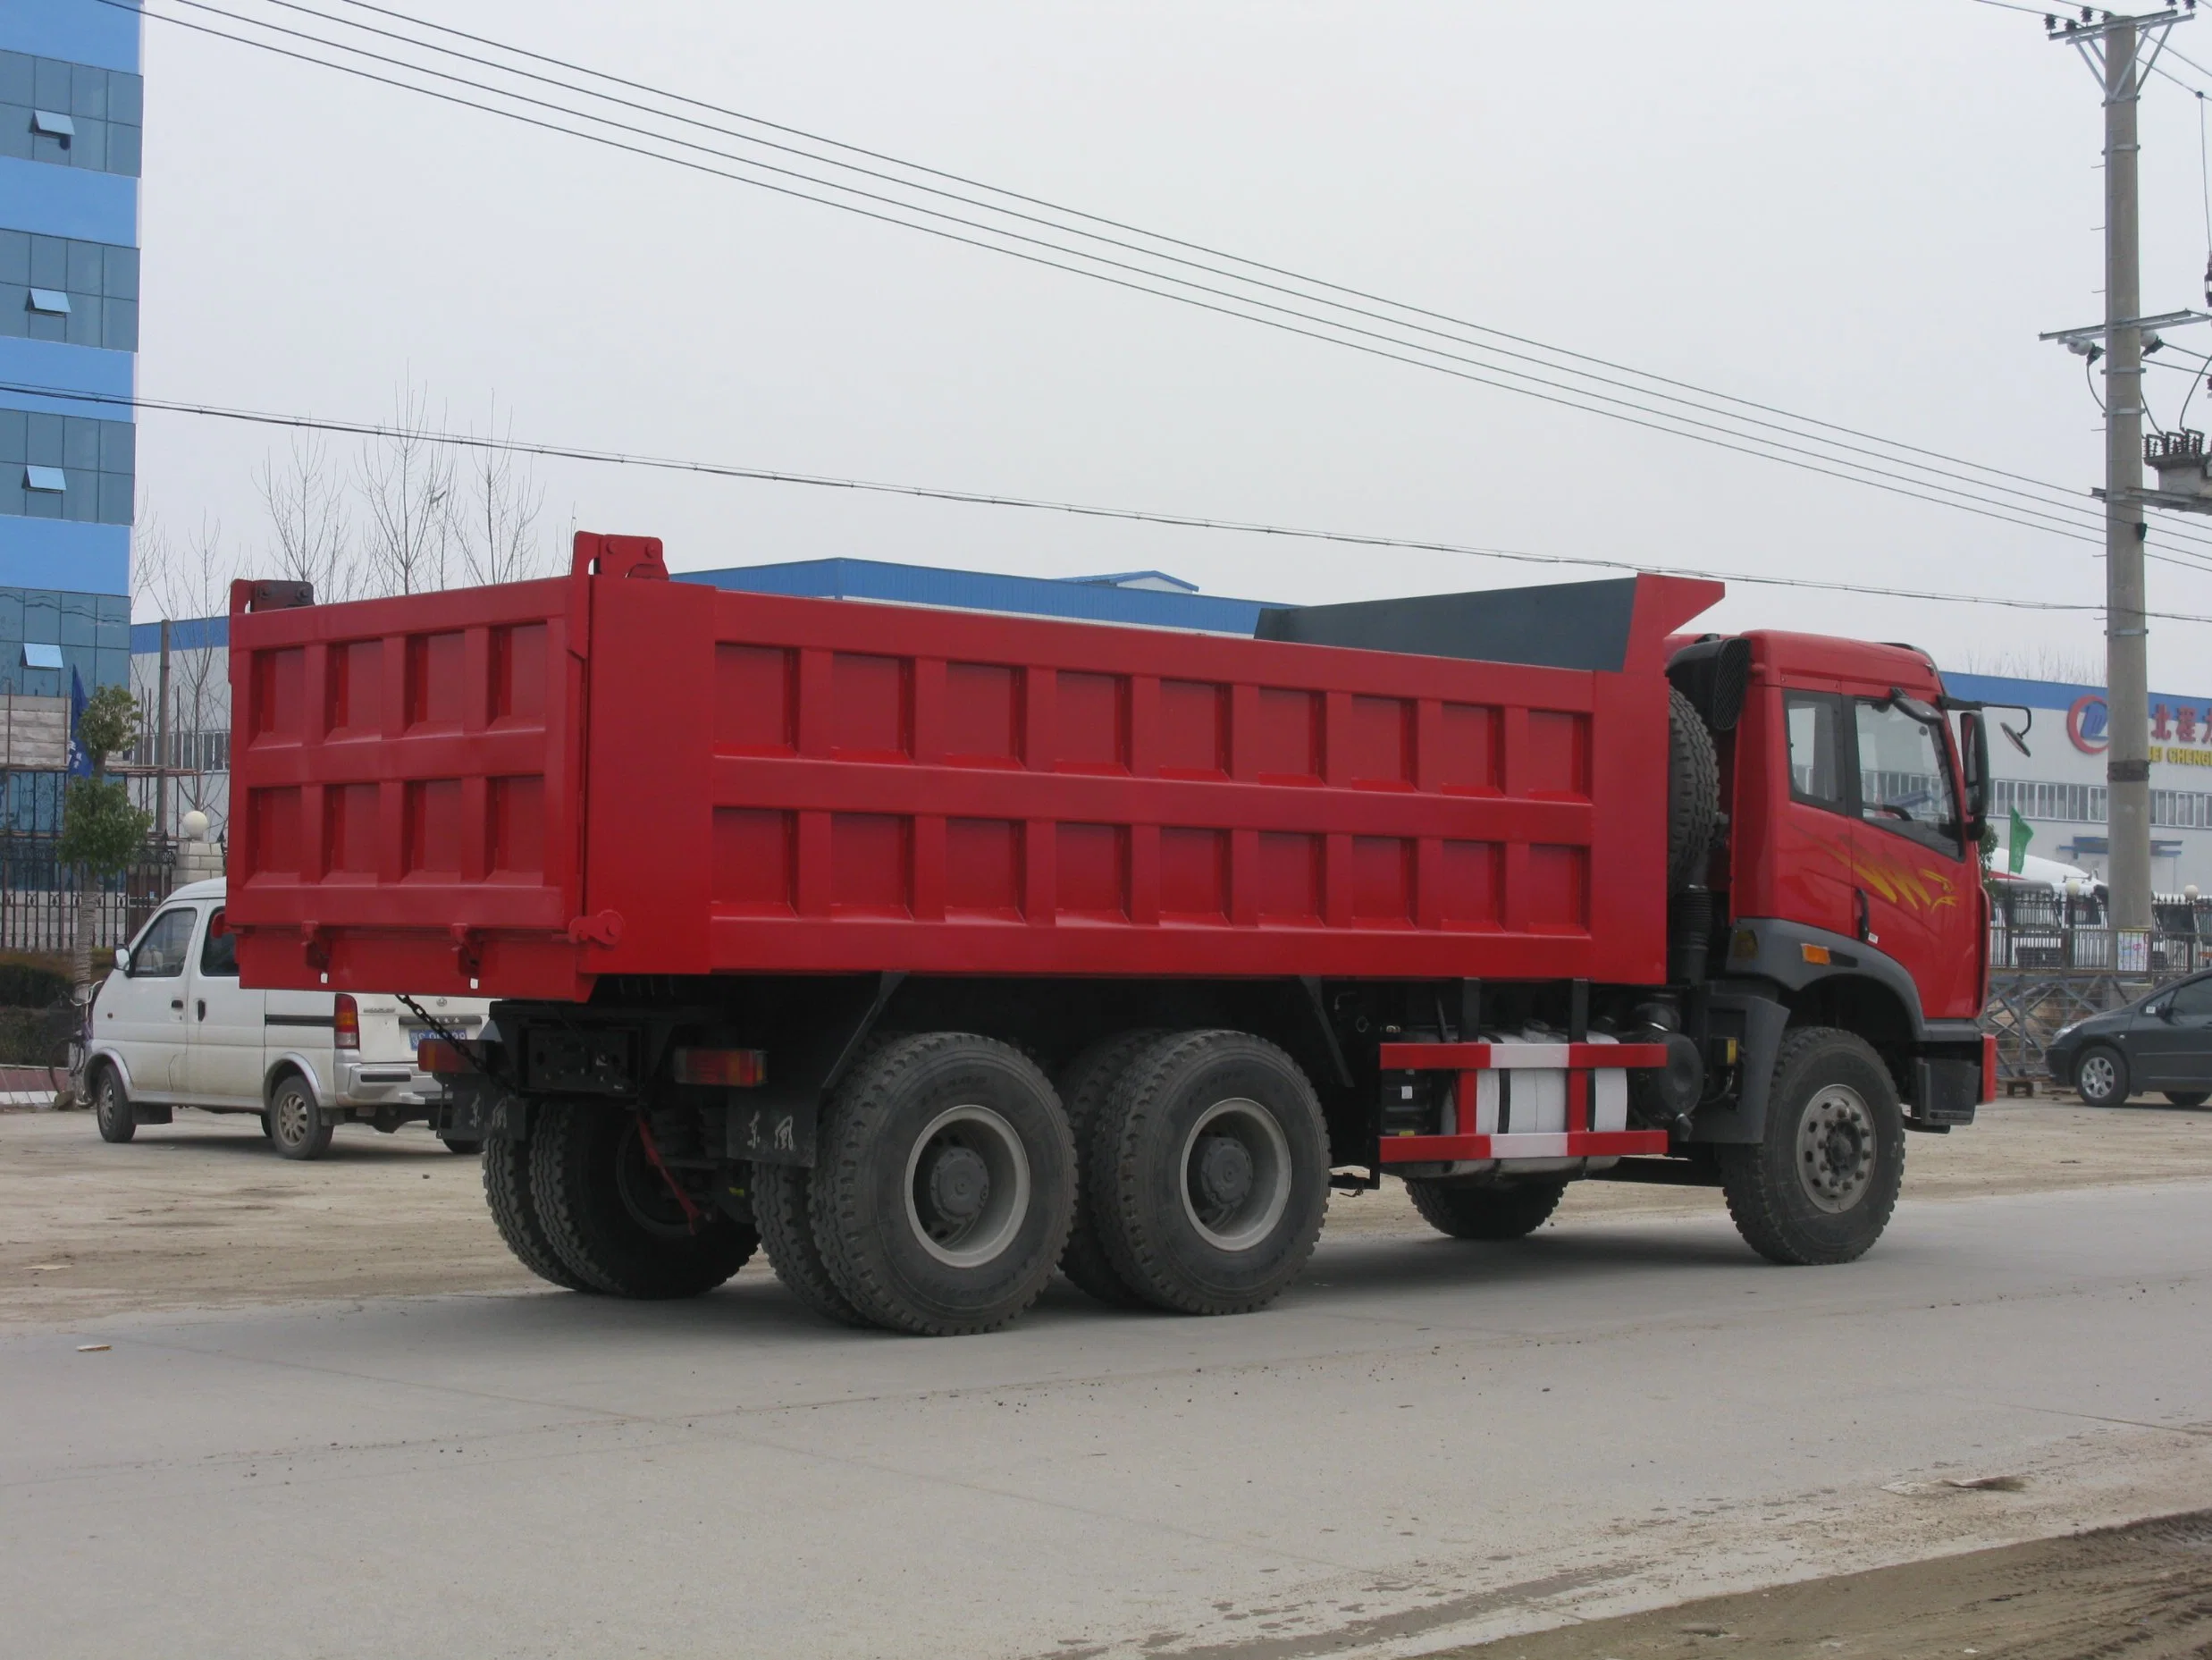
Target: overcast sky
{"points": [[1864, 210]]}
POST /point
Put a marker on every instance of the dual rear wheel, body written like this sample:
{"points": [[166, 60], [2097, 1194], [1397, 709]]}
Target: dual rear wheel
{"points": [[1183, 1171]]}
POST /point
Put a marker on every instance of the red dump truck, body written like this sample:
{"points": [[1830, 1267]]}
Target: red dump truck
{"points": [[934, 951]]}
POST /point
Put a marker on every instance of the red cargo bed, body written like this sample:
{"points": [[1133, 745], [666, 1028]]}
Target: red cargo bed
{"points": [[516, 789]]}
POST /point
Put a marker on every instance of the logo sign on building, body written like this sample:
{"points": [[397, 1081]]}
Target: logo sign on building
{"points": [[2086, 726]]}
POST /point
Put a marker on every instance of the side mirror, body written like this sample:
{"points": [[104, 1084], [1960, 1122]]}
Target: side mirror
{"points": [[123, 957], [1973, 745]]}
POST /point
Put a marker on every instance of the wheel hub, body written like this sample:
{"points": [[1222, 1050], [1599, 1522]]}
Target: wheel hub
{"points": [[967, 1186], [1236, 1174], [959, 1183], [1224, 1171], [1836, 1148]]}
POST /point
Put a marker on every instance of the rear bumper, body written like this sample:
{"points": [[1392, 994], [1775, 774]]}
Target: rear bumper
{"points": [[388, 1087]]}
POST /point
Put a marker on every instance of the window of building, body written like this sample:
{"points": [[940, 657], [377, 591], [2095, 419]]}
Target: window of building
{"points": [[96, 284], [70, 114], [38, 656], [66, 467]]}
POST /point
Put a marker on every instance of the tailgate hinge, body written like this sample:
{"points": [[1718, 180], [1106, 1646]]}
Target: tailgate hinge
{"points": [[604, 929]]}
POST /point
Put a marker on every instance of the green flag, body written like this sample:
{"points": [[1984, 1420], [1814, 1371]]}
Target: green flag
{"points": [[2021, 837]]}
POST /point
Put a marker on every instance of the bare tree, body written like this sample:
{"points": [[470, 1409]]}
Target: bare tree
{"points": [[188, 587], [406, 481], [308, 514], [496, 513]]}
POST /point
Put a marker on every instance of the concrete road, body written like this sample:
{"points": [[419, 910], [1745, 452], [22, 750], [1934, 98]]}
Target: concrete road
{"points": [[1427, 1442]]}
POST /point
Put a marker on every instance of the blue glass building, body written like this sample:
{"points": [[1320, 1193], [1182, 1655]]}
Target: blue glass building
{"points": [[71, 113]]}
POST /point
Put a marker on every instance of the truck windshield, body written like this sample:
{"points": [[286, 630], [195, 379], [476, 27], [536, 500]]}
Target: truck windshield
{"points": [[1905, 776]]}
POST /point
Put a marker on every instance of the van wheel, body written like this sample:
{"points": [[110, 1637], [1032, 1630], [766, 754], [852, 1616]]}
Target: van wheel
{"points": [[2189, 1098], [111, 1106], [946, 1184], [515, 1213], [1821, 1184], [1490, 1212], [1085, 1087], [609, 1214], [1216, 1162], [299, 1128]]}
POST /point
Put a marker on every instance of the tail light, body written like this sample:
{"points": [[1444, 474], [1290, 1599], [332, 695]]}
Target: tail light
{"points": [[728, 1069], [1989, 1066], [346, 1022], [435, 1055]]}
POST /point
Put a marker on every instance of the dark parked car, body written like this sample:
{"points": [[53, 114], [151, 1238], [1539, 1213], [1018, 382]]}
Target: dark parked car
{"points": [[2162, 1041]]}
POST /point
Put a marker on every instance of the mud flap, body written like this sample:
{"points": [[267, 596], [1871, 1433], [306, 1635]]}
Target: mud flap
{"points": [[1743, 1120]]}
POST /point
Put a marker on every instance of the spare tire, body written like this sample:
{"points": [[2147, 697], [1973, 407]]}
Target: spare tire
{"points": [[1693, 794]]}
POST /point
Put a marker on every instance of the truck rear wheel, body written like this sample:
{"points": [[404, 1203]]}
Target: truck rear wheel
{"points": [[612, 1217], [780, 1209], [1513, 1211], [515, 1213], [1213, 1177], [1819, 1186], [946, 1184], [1085, 1087]]}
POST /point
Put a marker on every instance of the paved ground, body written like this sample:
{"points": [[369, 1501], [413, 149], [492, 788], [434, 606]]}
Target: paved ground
{"points": [[1426, 1444], [203, 1213]]}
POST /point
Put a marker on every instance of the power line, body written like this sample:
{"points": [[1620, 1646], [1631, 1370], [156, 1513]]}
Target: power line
{"points": [[2018, 511], [976, 497]]}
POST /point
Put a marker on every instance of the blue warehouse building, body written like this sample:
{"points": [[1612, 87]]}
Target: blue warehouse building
{"points": [[71, 117]]}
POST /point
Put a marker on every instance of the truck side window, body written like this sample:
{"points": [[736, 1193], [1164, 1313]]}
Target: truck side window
{"points": [[218, 957], [1816, 769], [1905, 776], [161, 949]]}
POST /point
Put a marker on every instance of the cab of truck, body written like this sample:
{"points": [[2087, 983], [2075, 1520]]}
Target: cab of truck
{"points": [[1848, 886]]}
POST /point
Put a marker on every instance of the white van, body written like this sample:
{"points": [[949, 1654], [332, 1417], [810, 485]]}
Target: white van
{"points": [[171, 1027]]}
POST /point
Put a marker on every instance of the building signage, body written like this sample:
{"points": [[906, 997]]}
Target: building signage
{"points": [[2180, 734]]}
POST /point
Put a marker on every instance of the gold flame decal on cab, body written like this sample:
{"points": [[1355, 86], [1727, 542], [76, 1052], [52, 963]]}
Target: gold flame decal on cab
{"points": [[1919, 890]]}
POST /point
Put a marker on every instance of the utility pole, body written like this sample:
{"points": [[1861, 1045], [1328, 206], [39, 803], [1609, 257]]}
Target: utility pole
{"points": [[2127, 632], [2112, 46]]}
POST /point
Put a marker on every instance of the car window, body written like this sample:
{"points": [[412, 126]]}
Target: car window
{"points": [[1904, 775], [218, 955], [1816, 768], [2193, 998], [161, 949]]}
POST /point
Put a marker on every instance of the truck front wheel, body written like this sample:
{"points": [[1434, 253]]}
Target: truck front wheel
{"points": [[1212, 1175], [612, 1216], [1513, 1211], [1819, 1186], [945, 1185]]}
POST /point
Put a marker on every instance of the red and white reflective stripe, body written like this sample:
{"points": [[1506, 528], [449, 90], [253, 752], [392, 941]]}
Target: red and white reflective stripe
{"points": [[1576, 1093], [1500, 1056]]}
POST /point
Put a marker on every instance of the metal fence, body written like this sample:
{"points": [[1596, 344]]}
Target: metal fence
{"points": [[39, 896], [2054, 960]]}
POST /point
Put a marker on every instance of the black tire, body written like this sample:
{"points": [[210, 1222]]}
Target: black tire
{"points": [[1488, 1213], [2189, 1098], [2100, 1076], [1263, 1218], [469, 1147], [1820, 1186], [299, 1128], [268, 1126], [610, 1215], [1693, 794], [1086, 1086], [515, 1213], [946, 1184], [111, 1106], [781, 1210]]}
